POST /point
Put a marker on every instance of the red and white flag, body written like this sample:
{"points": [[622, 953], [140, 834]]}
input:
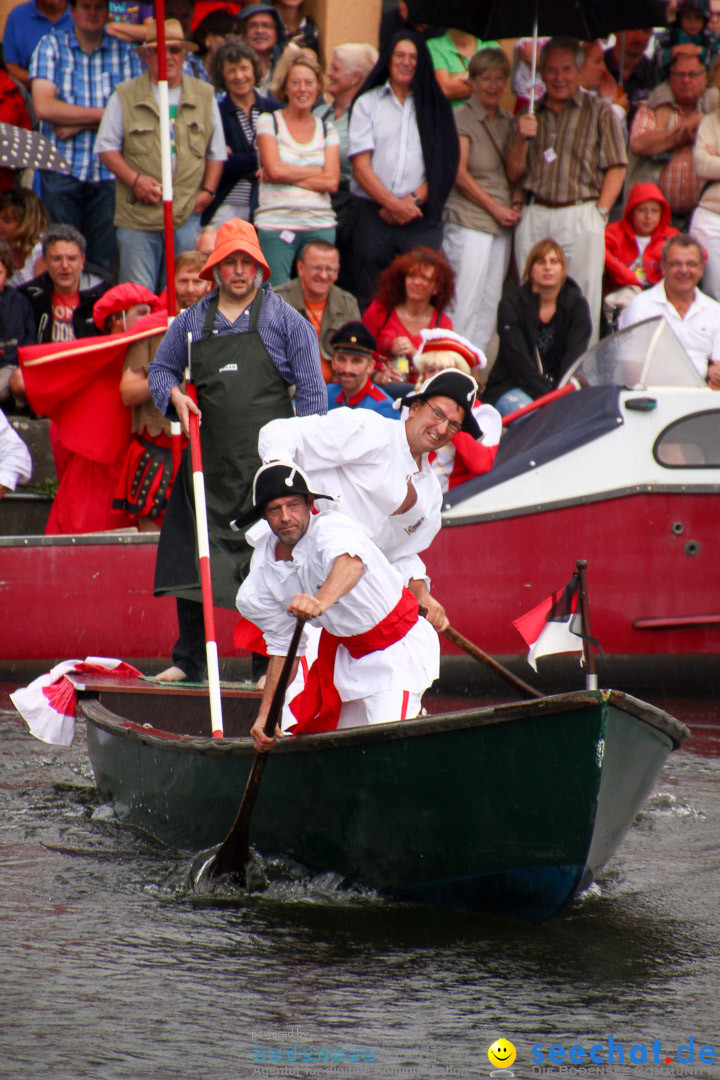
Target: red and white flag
{"points": [[47, 705], [554, 626]]}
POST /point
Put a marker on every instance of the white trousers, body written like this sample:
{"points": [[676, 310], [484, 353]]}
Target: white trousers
{"points": [[480, 262], [381, 708], [580, 232], [705, 228]]}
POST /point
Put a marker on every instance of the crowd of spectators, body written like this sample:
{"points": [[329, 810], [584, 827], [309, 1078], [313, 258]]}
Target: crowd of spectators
{"points": [[427, 186]]}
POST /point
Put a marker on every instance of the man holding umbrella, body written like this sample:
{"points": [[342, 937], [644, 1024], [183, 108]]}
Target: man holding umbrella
{"points": [[571, 158]]}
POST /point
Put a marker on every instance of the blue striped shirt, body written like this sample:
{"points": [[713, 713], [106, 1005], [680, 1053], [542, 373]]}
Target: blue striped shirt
{"points": [[286, 334], [86, 79]]}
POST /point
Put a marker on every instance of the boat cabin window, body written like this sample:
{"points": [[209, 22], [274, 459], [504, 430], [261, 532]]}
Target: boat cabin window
{"points": [[645, 355], [690, 443]]}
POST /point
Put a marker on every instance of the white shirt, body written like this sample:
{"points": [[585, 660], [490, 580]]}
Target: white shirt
{"points": [[15, 460], [698, 332], [382, 124], [409, 664], [364, 458]]}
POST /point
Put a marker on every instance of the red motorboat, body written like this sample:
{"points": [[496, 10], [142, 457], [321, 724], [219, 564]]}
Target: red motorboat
{"points": [[624, 473]]}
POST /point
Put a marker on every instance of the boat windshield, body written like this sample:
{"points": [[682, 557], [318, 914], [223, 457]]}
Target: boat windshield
{"points": [[642, 356]]}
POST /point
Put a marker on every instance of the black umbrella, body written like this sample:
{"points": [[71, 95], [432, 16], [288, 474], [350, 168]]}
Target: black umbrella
{"points": [[22, 149], [584, 19]]}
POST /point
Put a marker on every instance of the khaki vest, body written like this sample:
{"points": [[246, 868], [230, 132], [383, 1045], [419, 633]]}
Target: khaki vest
{"points": [[141, 149]]}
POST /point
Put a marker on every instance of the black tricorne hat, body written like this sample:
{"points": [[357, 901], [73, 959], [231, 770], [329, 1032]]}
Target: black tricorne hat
{"points": [[272, 481], [454, 384], [354, 337]]}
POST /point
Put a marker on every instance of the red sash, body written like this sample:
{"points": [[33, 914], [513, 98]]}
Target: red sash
{"points": [[317, 707]]}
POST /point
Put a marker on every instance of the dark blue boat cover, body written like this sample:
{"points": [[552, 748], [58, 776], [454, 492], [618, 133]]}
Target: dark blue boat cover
{"points": [[554, 430]]}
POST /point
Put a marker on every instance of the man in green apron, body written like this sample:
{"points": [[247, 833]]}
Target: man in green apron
{"points": [[245, 348]]}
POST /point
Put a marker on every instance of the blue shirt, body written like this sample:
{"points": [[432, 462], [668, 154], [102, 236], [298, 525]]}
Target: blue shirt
{"points": [[370, 397], [86, 79], [287, 336], [25, 26]]}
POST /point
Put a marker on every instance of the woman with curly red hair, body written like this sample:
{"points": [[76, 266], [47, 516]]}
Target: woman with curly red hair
{"points": [[410, 295]]}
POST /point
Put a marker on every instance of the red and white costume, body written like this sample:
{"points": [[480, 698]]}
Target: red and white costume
{"points": [[397, 654], [365, 459]]}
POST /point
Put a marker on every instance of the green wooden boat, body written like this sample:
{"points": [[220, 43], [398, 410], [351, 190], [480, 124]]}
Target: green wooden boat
{"points": [[511, 808]]}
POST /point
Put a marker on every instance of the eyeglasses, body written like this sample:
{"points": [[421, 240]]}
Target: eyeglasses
{"points": [[440, 418], [491, 80], [687, 74], [678, 264]]}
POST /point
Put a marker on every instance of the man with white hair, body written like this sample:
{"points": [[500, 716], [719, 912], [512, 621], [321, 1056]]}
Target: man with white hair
{"points": [[246, 347], [571, 159]]}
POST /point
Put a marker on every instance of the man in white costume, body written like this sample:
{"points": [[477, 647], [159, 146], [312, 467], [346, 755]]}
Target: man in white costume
{"points": [[376, 655], [380, 469]]}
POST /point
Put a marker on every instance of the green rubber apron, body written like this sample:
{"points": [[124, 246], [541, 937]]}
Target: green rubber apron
{"points": [[239, 389]]}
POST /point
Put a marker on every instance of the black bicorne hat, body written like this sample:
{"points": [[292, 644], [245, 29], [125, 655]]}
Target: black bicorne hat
{"points": [[272, 481]]}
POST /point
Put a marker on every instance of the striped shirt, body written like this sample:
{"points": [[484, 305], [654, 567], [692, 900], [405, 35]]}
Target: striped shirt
{"points": [[85, 79], [581, 142], [287, 206], [287, 336], [381, 124]]}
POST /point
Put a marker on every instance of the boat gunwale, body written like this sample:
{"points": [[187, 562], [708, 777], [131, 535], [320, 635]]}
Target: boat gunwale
{"points": [[563, 504], [99, 715]]}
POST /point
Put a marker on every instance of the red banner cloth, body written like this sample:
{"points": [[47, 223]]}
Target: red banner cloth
{"points": [[317, 707]]}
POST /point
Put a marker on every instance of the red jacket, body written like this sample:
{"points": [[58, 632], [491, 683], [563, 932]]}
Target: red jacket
{"points": [[621, 247]]}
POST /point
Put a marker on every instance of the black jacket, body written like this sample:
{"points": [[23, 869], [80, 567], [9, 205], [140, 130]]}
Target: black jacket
{"points": [[242, 160], [518, 363], [17, 325], [93, 283]]}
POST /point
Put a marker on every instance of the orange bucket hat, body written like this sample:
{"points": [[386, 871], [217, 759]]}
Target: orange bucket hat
{"points": [[235, 235]]}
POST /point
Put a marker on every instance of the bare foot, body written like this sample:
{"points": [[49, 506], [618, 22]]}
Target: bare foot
{"points": [[171, 674]]}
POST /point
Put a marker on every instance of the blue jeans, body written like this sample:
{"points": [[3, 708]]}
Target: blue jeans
{"points": [[281, 254], [142, 254], [512, 400], [89, 207]]}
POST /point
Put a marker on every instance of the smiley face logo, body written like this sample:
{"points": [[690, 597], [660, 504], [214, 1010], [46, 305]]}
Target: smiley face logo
{"points": [[501, 1054]]}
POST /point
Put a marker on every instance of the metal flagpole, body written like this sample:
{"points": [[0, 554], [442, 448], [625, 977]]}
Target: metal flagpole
{"points": [[534, 58]]}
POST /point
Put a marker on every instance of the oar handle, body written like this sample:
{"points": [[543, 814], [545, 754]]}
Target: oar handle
{"points": [[278, 697], [473, 650], [479, 654]]}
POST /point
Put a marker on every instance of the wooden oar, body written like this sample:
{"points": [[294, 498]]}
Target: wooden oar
{"points": [[233, 855], [475, 651]]}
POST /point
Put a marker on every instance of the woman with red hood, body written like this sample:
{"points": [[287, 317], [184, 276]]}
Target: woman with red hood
{"points": [[633, 246]]}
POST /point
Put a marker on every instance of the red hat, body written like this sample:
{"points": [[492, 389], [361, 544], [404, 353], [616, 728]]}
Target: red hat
{"points": [[440, 340], [235, 235], [120, 298]]}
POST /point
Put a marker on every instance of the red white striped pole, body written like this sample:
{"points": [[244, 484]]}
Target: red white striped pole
{"points": [[203, 544], [167, 188]]}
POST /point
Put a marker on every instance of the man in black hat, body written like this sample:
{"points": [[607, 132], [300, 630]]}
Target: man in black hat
{"points": [[376, 657], [381, 468], [353, 364]]}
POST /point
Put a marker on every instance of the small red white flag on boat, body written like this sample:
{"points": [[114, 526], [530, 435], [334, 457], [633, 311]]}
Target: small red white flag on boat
{"points": [[554, 626]]}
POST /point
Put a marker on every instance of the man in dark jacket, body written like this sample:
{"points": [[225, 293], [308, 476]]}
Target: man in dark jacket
{"points": [[62, 298]]}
